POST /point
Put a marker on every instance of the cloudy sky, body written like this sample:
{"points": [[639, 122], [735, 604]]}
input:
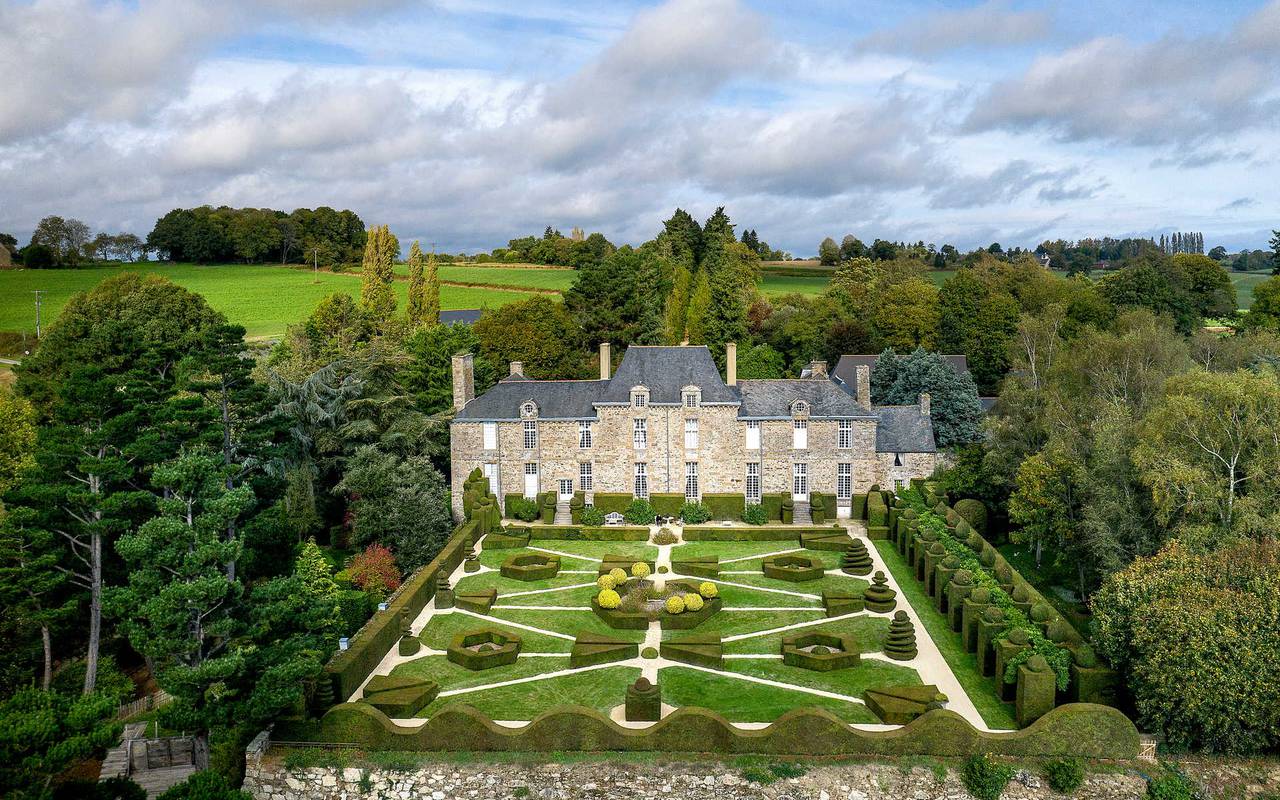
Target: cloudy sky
{"points": [[469, 122]]}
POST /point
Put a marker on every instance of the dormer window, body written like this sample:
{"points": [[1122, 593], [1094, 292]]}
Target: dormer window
{"points": [[529, 410], [799, 409], [639, 397], [692, 397]]}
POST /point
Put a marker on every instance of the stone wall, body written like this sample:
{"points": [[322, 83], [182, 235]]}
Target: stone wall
{"points": [[596, 779]]}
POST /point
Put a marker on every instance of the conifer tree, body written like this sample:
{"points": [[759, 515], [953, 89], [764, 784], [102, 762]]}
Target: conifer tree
{"points": [[699, 303], [377, 296], [676, 314], [417, 286], [431, 295]]}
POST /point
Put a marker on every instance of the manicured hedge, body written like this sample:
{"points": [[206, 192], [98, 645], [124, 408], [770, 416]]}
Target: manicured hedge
{"points": [[609, 503], [612, 533], [726, 505], [821, 507], [666, 504], [773, 504], [1081, 730]]}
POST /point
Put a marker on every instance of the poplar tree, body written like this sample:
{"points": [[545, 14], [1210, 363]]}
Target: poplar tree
{"points": [[699, 303], [415, 310], [377, 297], [431, 295], [676, 314]]}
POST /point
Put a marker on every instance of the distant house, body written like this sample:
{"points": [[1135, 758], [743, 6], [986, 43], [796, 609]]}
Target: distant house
{"points": [[1044, 260], [466, 316]]}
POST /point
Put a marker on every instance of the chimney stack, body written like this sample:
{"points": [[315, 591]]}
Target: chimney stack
{"points": [[818, 369], [605, 366], [863, 380], [926, 403], [517, 368], [731, 363], [464, 380]]}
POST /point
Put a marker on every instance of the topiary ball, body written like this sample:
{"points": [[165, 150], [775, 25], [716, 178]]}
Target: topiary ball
{"points": [[980, 595], [619, 576], [1037, 663], [1019, 636], [608, 598], [1041, 612], [708, 589], [606, 581], [963, 577], [693, 602], [640, 570], [675, 604], [1084, 656]]}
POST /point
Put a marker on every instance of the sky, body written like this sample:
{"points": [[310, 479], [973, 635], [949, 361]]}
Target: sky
{"points": [[471, 122]]}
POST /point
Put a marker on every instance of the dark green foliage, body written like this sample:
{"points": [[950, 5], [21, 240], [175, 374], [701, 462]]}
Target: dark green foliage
{"points": [[694, 513], [795, 568], [399, 697], [703, 651], [210, 235], [608, 503], [401, 502], [521, 508], [592, 516], [639, 512], [43, 733], [584, 533], [354, 607], [762, 534], [643, 701], [898, 705], [590, 649], [540, 332], [985, 779], [205, 785], [1065, 775], [1170, 786], [900, 644], [755, 514], [667, 504], [724, 505], [116, 788], [531, 567], [975, 513], [620, 299], [955, 410], [37, 256], [484, 649], [428, 373]]}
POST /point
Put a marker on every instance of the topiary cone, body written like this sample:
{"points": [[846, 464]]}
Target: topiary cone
{"points": [[878, 596], [856, 560], [901, 642]]}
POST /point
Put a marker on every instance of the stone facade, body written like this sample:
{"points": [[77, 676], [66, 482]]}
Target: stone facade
{"points": [[557, 411]]}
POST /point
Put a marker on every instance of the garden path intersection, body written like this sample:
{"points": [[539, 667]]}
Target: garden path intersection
{"points": [[751, 662]]}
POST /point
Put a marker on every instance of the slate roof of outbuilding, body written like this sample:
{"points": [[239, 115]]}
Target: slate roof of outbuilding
{"points": [[903, 429]]}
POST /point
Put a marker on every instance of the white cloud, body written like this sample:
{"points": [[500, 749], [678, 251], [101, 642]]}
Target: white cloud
{"points": [[992, 24]]}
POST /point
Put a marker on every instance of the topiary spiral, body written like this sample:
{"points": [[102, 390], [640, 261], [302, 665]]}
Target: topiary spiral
{"points": [[900, 645]]}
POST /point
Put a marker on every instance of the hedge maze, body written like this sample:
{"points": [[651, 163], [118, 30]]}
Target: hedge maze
{"points": [[749, 622]]}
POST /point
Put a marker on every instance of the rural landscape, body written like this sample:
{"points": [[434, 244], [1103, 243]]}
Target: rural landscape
{"points": [[427, 424]]}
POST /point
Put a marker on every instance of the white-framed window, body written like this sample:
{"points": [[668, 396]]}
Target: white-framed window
{"points": [[753, 434], [584, 434], [491, 472], [641, 487], [691, 434], [640, 434], [566, 488], [531, 479], [800, 434], [753, 483], [800, 480], [639, 399], [691, 481], [491, 436], [528, 409], [586, 477], [799, 408], [844, 481], [691, 399], [845, 436], [530, 434]]}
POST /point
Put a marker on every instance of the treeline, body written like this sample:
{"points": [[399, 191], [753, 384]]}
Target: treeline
{"points": [[66, 242], [207, 235]]}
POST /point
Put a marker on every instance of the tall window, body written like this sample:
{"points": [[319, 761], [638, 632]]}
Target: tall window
{"points": [[844, 481], [753, 483], [845, 438], [800, 434], [639, 400], [690, 399], [691, 434], [491, 436], [586, 480], [530, 479], [584, 434], [530, 434], [491, 472], [800, 480], [691, 481], [753, 434], [640, 434], [641, 488]]}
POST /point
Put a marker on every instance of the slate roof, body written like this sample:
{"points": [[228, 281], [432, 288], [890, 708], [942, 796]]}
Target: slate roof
{"points": [[845, 373], [771, 399], [555, 399], [466, 316], [903, 429], [664, 371]]}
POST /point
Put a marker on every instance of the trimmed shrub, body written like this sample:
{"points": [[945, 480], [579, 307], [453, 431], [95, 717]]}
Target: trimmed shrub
{"points": [[708, 590], [521, 508], [609, 503], [606, 581], [1064, 775], [985, 779], [639, 512], [640, 570], [724, 505], [608, 598], [693, 602], [667, 504], [675, 604], [619, 576], [592, 516], [974, 513], [694, 513], [754, 514], [665, 536], [772, 504], [1171, 786], [205, 785]]}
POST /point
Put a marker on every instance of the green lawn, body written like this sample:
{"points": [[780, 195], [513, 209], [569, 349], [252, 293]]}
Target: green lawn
{"points": [[494, 559], [774, 285], [1244, 283], [830, 583], [262, 298], [733, 623], [850, 682], [601, 689], [743, 701], [598, 550], [869, 632], [750, 598], [451, 676], [829, 559], [442, 628], [982, 691], [729, 550], [580, 597], [494, 580], [570, 623]]}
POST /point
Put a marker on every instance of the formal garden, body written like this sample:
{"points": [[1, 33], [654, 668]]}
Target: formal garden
{"points": [[594, 635]]}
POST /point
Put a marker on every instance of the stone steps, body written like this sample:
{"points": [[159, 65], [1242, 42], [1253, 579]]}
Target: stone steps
{"points": [[800, 514], [563, 515]]}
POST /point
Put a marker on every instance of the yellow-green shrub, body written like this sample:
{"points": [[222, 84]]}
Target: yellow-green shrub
{"points": [[675, 604], [693, 602], [606, 581], [708, 589], [619, 576], [640, 570], [608, 598]]}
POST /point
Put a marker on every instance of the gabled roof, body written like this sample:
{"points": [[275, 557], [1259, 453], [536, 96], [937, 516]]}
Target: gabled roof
{"points": [[466, 316], [903, 429], [664, 371], [770, 399], [554, 399]]}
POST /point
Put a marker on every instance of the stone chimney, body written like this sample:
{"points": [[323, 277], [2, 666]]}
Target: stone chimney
{"points": [[517, 368], [818, 370], [731, 363], [926, 403], [605, 366], [863, 386], [464, 380]]}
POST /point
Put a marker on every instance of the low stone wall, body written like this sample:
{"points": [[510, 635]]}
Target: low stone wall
{"points": [[598, 779]]}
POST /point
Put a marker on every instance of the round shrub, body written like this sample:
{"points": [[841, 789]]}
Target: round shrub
{"points": [[974, 513], [962, 577], [693, 602], [980, 595], [1042, 612], [1085, 657], [665, 536], [639, 570], [694, 513], [606, 581], [708, 589], [1170, 787], [1018, 636], [649, 652], [663, 570], [1065, 775], [1060, 631], [608, 598], [985, 779], [592, 516], [754, 514], [619, 576], [675, 604], [640, 512]]}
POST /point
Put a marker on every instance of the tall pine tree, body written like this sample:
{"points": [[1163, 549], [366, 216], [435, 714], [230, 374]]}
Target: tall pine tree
{"points": [[416, 308], [377, 295]]}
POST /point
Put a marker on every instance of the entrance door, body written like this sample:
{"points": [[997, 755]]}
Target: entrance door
{"points": [[800, 483], [530, 481], [566, 490]]}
